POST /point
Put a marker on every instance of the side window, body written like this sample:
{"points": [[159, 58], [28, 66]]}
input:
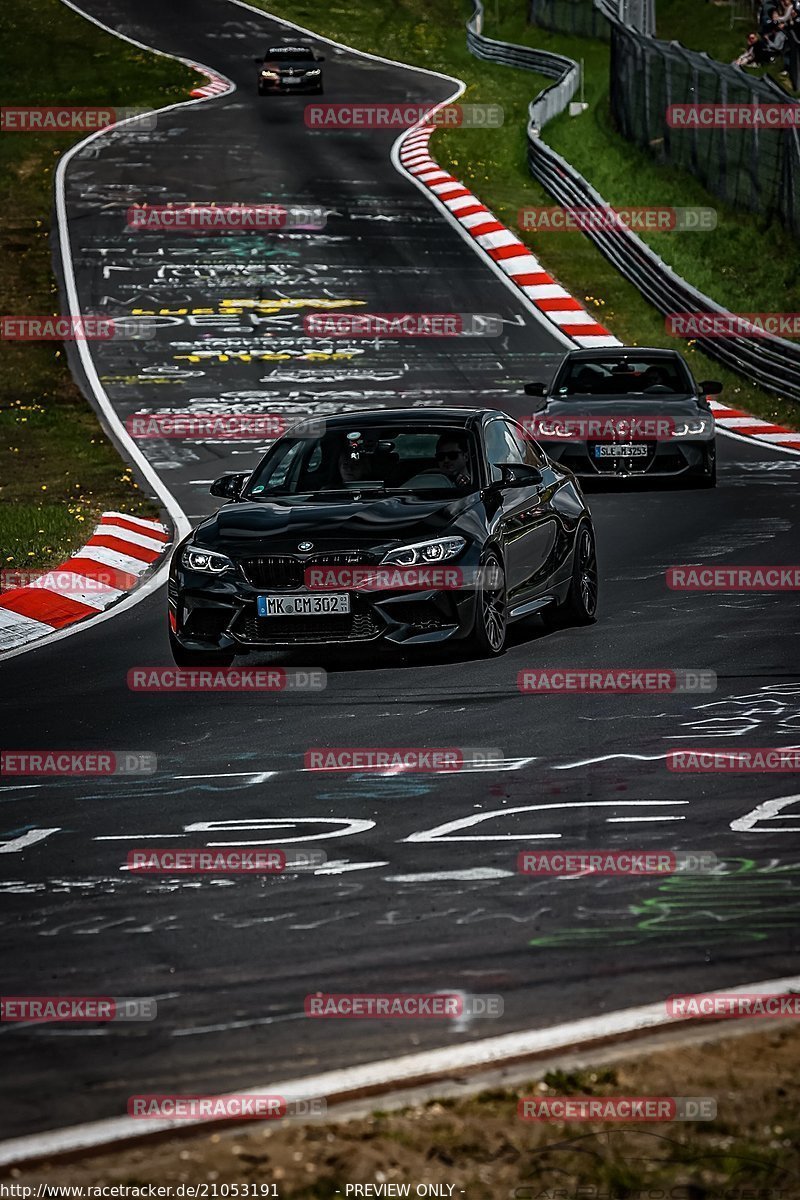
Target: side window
{"points": [[530, 450], [281, 467], [502, 447]]}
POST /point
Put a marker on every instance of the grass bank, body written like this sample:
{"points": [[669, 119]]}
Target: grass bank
{"points": [[478, 1146], [58, 470]]}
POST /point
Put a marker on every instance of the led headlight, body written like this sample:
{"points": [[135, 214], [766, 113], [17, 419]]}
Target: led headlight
{"points": [[693, 428], [269, 74], [197, 559], [315, 71], [437, 550]]}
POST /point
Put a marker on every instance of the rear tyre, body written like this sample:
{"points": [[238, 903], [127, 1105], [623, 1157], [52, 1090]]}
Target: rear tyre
{"points": [[580, 604], [491, 614], [198, 658]]}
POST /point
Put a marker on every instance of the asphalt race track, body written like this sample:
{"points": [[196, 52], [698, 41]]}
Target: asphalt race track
{"points": [[420, 892]]}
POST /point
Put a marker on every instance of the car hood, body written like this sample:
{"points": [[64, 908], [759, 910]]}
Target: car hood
{"points": [[655, 406], [278, 526]]}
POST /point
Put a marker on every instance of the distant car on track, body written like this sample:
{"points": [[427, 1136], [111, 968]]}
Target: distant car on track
{"points": [[671, 432], [382, 493], [286, 69]]}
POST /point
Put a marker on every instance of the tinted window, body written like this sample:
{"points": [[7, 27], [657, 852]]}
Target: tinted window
{"points": [[502, 446], [637, 375], [529, 449], [393, 457]]}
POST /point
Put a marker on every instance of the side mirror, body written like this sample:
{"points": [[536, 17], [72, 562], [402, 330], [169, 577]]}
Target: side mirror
{"points": [[519, 475], [535, 389], [710, 387], [229, 487]]}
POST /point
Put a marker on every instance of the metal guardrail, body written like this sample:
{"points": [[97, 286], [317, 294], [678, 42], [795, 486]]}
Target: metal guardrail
{"points": [[769, 361], [565, 71]]}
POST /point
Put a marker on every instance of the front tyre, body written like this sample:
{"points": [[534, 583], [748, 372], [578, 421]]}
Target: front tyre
{"points": [[198, 658], [709, 480], [491, 613], [580, 604]]}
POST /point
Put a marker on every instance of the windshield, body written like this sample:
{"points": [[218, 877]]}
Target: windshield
{"points": [[349, 460], [289, 54], [640, 375]]}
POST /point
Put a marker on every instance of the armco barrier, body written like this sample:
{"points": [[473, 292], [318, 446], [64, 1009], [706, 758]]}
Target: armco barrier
{"points": [[771, 362], [565, 71]]}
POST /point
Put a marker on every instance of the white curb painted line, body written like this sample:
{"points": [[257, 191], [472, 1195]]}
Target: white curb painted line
{"points": [[384, 1075], [498, 244]]}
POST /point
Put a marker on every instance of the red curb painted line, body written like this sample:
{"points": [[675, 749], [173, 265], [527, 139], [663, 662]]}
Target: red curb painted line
{"points": [[216, 86], [514, 258]]}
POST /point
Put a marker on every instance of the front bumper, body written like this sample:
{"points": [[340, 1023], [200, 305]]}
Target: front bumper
{"points": [[690, 457], [284, 88], [219, 612]]}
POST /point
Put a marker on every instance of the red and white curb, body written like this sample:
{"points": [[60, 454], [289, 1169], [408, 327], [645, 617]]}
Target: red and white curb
{"points": [[121, 549], [744, 425], [217, 85], [501, 245]]}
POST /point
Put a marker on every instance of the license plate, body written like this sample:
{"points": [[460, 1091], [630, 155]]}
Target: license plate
{"points": [[291, 79], [303, 606], [629, 450]]}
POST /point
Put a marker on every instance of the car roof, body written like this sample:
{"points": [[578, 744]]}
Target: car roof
{"points": [[462, 417], [289, 50], [623, 352]]}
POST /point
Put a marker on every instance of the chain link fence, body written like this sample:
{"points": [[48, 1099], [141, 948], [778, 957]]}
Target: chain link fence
{"points": [[583, 18], [578, 17]]}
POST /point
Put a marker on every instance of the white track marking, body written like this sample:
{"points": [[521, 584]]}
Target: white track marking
{"points": [[26, 839], [590, 762], [442, 832], [280, 824], [628, 820], [768, 811]]}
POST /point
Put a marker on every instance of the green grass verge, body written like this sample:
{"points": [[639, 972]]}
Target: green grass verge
{"points": [[745, 264], [58, 470]]}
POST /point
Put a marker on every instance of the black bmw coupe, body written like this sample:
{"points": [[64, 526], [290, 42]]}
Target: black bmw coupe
{"points": [[413, 526]]}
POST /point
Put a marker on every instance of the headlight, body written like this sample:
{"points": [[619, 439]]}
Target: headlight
{"points": [[693, 428], [438, 550], [269, 74], [315, 71], [197, 559]]}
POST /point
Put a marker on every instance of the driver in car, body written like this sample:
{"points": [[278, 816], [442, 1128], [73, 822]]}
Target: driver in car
{"points": [[451, 459]]}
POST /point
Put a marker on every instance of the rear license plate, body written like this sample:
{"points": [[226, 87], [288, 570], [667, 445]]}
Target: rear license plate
{"points": [[629, 450], [302, 606]]}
